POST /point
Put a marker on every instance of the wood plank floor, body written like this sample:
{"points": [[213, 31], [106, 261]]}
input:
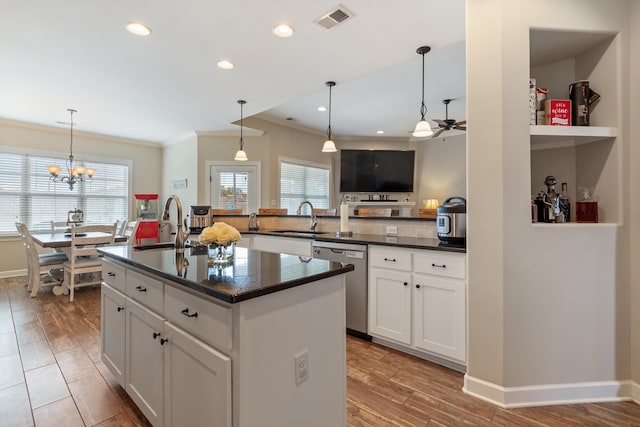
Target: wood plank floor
{"points": [[51, 375]]}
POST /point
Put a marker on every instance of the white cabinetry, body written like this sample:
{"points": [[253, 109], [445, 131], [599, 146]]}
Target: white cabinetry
{"points": [[417, 298], [144, 360], [197, 382], [282, 245], [112, 327]]}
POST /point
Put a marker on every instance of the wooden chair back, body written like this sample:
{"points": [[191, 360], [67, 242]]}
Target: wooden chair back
{"points": [[129, 231]]}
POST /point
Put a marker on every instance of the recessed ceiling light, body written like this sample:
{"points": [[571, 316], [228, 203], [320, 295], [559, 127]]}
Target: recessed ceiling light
{"points": [[380, 132], [137, 28], [225, 65], [283, 30], [322, 108]]}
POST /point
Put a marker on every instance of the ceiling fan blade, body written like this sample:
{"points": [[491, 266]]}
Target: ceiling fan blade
{"points": [[461, 122], [440, 123], [437, 134], [461, 128]]}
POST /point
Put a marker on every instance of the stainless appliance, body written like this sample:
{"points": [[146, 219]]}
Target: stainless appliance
{"points": [[355, 281], [582, 98], [199, 218], [452, 220]]}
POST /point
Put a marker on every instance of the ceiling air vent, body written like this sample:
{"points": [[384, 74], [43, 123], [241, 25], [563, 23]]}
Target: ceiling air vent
{"points": [[334, 17]]}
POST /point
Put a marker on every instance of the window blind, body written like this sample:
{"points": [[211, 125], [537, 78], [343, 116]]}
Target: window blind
{"points": [[233, 190], [299, 182], [28, 195]]}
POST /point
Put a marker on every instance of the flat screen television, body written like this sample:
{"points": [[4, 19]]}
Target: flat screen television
{"points": [[387, 171]]}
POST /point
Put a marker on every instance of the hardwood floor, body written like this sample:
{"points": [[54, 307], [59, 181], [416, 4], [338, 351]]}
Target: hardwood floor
{"points": [[51, 375]]}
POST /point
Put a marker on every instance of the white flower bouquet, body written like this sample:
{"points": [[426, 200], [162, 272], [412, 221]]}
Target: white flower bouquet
{"points": [[219, 234]]}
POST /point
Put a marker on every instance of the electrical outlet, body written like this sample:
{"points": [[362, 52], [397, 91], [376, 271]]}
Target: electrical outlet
{"points": [[392, 230], [302, 366]]}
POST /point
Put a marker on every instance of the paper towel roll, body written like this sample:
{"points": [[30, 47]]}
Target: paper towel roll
{"points": [[344, 218]]}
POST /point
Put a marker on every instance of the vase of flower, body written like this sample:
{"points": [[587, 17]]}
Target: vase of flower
{"points": [[220, 238], [221, 255]]}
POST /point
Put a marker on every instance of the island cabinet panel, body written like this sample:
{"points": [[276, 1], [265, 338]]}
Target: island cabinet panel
{"points": [[146, 290], [144, 375], [114, 274], [205, 319], [112, 329], [197, 388], [283, 245]]}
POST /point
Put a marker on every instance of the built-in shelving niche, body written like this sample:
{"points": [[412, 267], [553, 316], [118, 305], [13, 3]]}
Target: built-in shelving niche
{"points": [[581, 156]]}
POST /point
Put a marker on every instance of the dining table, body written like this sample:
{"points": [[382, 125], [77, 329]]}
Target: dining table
{"points": [[62, 241]]}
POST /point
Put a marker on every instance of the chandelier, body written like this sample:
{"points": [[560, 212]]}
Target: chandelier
{"points": [[75, 173]]}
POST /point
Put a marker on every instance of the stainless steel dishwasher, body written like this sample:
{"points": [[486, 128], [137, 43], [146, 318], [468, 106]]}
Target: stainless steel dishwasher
{"points": [[355, 281]]}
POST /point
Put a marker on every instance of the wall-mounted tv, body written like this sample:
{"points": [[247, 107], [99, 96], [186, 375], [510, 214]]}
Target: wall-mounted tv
{"points": [[388, 171]]}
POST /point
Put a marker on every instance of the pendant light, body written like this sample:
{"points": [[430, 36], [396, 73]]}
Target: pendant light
{"points": [[423, 128], [329, 146], [241, 155]]}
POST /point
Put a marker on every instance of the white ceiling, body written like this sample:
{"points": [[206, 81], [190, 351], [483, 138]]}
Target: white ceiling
{"points": [[77, 54]]}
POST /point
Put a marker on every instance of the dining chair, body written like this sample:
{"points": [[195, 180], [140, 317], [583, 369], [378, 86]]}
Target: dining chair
{"points": [[83, 256], [58, 227], [38, 264], [129, 231]]}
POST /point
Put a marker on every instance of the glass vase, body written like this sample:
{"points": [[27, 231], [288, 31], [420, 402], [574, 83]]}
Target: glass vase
{"points": [[221, 255]]}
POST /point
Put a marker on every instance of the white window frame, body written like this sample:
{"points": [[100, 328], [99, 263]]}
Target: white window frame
{"points": [[328, 166], [61, 158], [240, 166]]}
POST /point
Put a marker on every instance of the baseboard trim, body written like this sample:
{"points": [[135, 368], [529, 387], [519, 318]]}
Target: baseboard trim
{"points": [[13, 273], [551, 394], [456, 366]]}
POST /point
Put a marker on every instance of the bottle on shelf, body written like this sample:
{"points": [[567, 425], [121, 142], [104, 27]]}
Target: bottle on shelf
{"points": [[587, 207], [565, 205]]}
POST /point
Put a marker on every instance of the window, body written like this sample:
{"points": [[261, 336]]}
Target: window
{"points": [[28, 195], [234, 186], [303, 181]]}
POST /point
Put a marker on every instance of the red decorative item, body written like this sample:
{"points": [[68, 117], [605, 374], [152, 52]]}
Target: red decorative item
{"points": [[147, 213], [557, 112]]}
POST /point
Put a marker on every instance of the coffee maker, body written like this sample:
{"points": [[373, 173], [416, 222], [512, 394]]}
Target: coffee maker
{"points": [[199, 218]]}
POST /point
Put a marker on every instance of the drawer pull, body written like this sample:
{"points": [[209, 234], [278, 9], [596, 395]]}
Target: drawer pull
{"points": [[406, 284], [439, 265], [141, 289], [156, 335], [390, 259], [120, 309], [186, 313], [111, 274], [163, 341], [418, 286]]}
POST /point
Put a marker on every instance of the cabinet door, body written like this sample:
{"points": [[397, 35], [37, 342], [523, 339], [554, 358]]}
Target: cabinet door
{"points": [[112, 331], [390, 304], [144, 357], [197, 382], [440, 316]]}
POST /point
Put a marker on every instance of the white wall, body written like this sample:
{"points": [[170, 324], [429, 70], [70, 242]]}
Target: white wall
{"points": [[548, 304]]}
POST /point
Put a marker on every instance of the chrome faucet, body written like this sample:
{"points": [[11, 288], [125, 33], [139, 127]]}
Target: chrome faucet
{"points": [[181, 236], [313, 223]]}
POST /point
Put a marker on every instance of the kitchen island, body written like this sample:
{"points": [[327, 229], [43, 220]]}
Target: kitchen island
{"points": [[257, 343]]}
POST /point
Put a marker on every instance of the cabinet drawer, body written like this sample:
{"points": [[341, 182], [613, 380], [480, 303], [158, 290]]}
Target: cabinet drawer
{"points": [[145, 290], [440, 263], [209, 321], [388, 257], [114, 275]]}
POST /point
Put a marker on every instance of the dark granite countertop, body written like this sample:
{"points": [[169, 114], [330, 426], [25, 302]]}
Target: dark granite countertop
{"points": [[372, 239], [253, 273]]}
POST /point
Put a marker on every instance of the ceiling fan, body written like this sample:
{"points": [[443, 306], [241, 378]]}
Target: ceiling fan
{"points": [[447, 123]]}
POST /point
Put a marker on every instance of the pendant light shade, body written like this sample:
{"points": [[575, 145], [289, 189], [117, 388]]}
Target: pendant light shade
{"points": [[329, 146], [423, 128], [241, 155]]}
